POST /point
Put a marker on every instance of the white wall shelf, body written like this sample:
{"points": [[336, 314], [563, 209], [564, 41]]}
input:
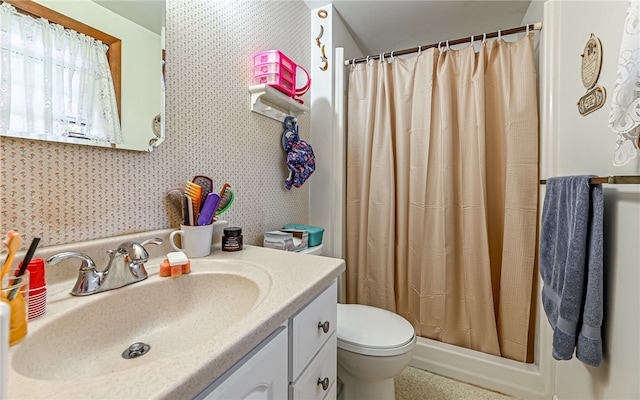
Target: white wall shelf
{"points": [[272, 103]]}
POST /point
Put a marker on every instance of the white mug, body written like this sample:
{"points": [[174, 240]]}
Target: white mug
{"points": [[196, 240]]}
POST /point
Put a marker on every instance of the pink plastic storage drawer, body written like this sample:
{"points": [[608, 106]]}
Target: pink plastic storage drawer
{"points": [[275, 69], [276, 81], [273, 56]]}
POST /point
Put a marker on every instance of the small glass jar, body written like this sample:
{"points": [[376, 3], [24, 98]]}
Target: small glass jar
{"points": [[232, 239]]}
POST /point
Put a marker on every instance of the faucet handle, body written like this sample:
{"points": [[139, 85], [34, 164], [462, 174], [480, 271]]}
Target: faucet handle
{"points": [[157, 241], [136, 251], [136, 255]]}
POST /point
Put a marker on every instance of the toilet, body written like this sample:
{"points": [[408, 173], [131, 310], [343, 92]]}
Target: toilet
{"points": [[374, 346]]}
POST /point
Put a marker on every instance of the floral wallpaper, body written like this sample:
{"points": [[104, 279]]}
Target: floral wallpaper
{"points": [[66, 193]]}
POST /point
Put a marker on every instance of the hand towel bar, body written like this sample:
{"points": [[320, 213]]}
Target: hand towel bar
{"points": [[617, 179]]}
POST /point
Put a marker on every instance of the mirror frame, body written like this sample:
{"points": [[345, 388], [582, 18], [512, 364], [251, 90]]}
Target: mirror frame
{"points": [[114, 55]]}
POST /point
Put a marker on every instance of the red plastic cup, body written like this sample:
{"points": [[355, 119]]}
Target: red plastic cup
{"points": [[36, 273], [42, 290]]}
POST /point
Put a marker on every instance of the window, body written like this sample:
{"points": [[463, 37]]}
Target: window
{"points": [[56, 81]]}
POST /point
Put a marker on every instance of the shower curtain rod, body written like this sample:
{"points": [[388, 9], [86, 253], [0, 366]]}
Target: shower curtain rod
{"points": [[531, 27], [617, 180]]}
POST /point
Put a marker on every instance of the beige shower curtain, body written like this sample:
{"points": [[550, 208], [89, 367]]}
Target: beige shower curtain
{"points": [[442, 192]]}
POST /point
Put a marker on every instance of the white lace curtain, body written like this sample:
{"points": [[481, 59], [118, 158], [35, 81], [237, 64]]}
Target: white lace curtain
{"points": [[624, 118], [54, 82]]}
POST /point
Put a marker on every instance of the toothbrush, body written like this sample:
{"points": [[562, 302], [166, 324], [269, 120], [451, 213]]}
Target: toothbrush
{"points": [[23, 267], [11, 241]]}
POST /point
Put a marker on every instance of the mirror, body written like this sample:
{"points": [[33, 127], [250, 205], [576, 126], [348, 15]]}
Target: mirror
{"points": [[139, 24]]}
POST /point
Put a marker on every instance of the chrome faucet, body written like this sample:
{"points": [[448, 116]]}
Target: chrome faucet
{"points": [[126, 266]]}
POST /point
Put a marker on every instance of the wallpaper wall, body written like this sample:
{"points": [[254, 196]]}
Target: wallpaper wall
{"points": [[66, 193]]}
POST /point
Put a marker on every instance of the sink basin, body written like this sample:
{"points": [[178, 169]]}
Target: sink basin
{"points": [[170, 315]]}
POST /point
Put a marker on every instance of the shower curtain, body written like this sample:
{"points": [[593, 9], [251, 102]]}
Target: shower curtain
{"points": [[442, 192]]}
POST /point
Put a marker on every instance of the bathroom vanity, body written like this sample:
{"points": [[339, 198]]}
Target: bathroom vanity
{"points": [[308, 371], [260, 314]]}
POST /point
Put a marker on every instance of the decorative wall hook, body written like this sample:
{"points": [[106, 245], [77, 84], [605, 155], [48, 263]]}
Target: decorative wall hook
{"points": [[325, 60], [320, 36]]}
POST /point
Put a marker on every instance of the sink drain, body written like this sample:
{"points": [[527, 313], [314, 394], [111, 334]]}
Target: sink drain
{"points": [[136, 350]]}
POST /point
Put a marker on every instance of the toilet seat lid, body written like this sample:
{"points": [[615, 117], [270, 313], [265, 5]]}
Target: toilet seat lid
{"points": [[371, 330]]}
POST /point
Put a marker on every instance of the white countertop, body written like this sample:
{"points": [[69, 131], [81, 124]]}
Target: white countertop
{"points": [[296, 280]]}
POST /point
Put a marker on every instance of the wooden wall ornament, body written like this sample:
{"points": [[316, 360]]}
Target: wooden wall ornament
{"points": [[592, 100], [589, 73], [591, 62]]}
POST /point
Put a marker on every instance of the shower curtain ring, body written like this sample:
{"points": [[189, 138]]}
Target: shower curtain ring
{"points": [[367, 60], [353, 63], [439, 44], [381, 58], [499, 34], [527, 30], [448, 48], [484, 37], [419, 51]]}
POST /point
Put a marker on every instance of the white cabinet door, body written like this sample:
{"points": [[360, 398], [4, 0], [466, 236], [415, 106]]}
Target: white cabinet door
{"points": [[311, 328], [261, 375], [318, 378]]}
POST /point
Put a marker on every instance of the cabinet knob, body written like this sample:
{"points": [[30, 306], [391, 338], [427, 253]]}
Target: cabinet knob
{"points": [[324, 383], [324, 326]]}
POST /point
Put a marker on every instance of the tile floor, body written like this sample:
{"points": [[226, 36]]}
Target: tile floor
{"points": [[416, 384]]}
